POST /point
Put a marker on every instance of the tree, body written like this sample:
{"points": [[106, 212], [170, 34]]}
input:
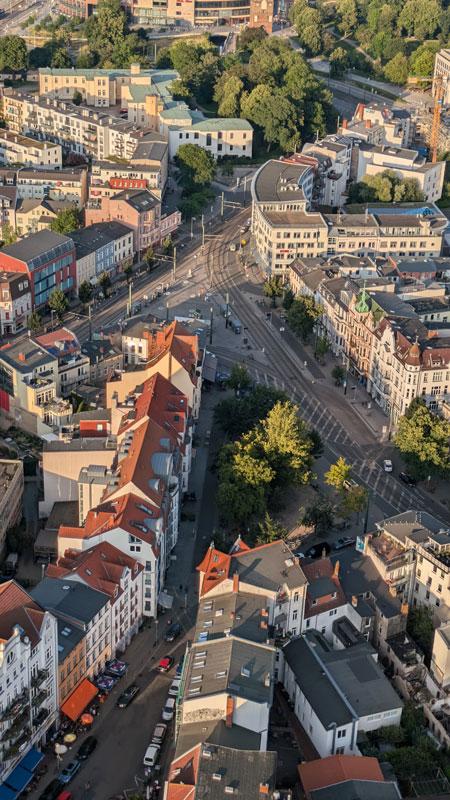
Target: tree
{"points": [[109, 40], [85, 293], [196, 166], [319, 516], [105, 283], [347, 11], [337, 474], [58, 303], [228, 95], [60, 58], [167, 244], [422, 60], [66, 221], [250, 37], [239, 379], [385, 187], [354, 501], [285, 442], [421, 628], [338, 373], [239, 415], [338, 62], [316, 442], [273, 288], [288, 299], [423, 440], [149, 257], [397, 69], [420, 18], [309, 26], [270, 531], [322, 346], [9, 236], [34, 322], [13, 54], [77, 98], [302, 315], [128, 272], [274, 113]]}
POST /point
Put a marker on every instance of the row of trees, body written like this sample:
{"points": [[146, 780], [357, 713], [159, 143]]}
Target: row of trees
{"points": [[423, 440], [385, 187], [264, 81]]}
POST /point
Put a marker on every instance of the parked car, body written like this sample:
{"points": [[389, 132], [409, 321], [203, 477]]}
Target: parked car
{"points": [[105, 682], [233, 247], [174, 687], [408, 479], [65, 795], [70, 771], [173, 632], [169, 709], [127, 696], [116, 668], [345, 541], [387, 465], [349, 484], [317, 550], [179, 669], [159, 733], [165, 664], [151, 755], [87, 748], [52, 791]]}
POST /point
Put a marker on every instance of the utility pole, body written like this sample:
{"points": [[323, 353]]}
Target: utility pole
{"points": [[366, 517], [130, 297], [211, 324], [174, 267], [227, 300], [222, 204], [203, 231], [90, 321]]}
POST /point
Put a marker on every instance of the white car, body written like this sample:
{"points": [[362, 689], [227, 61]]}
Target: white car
{"points": [[174, 687], [387, 465], [169, 709], [151, 755]]}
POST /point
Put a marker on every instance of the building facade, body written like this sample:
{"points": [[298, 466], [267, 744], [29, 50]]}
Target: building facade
{"points": [[16, 149], [15, 302]]}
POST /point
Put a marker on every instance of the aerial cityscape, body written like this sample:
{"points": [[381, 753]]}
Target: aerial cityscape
{"points": [[224, 400]]}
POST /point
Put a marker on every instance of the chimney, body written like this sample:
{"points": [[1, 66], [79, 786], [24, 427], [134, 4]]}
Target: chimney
{"points": [[22, 357], [354, 600], [235, 583], [360, 111], [344, 124], [336, 569], [404, 609], [368, 124], [229, 714]]}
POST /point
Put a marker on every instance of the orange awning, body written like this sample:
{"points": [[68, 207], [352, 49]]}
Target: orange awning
{"points": [[79, 699]]}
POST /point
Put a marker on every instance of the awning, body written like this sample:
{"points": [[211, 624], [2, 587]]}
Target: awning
{"points": [[7, 794], [75, 704], [19, 779], [32, 759], [165, 600]]}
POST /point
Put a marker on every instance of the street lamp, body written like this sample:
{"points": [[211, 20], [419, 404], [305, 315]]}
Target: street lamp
{"points": [[192, 227], [156, 631]]}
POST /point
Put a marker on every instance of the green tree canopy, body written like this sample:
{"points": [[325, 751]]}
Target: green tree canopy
{"points": [[13, 54], [385, 187], [85, 292], [397, 69], [66, 221], [420, 18], [105, 283], [238, 415], [34, 322], [108, 36], [319, 516], [196, 166], [60, 58], [58, 303], [240, 378], [270, 530], [422, 60], [273, 288], [423, 440], [338, 473], [302, 315]]}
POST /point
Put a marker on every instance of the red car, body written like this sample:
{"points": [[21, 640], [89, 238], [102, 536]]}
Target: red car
{"points": [[165, 664]]}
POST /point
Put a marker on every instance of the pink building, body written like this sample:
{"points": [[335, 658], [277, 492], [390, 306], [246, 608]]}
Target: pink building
{"points": [[140, 210]]}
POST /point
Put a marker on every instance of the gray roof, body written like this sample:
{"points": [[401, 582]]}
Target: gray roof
{"points": [[69, 600], [37, 244], [236, 612], [230, 665], [25, 355], [149, 151], [416, 265], [357, 790], [359, 576], [393, 305], [269, 567], [417, 524], [68, 638], [243, 770], [64, 512], [94, 237], [81, 443], [340, 684], [215, 731], [270, 182], [139, 199], [60, 175]]}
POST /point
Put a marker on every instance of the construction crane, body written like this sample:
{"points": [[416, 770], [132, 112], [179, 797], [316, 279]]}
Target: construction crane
{"points": [[438, 91]]}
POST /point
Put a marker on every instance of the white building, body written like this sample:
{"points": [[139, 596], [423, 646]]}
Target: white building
{"points": [[332, 169], [337, 694], [442, 72], [29, 152], [371, 159], [378, 124], [28, 676]]}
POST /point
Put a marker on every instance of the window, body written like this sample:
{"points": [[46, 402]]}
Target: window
{"points": [[340, 751], [341, 734]]}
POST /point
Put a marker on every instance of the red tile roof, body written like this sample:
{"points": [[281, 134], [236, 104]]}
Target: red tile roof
{"points": [[188, 765], [322, 568], [336, 769], [59, 335], [215, 567], [101, 567], [160, 401], [18, 608], [136, 468]]}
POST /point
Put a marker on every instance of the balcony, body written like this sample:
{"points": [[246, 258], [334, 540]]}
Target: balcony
{"points": [[16, 707], [39, 699], [39, 678]]}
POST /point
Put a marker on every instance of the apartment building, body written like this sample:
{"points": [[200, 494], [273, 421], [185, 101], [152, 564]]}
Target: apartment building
{"points": [[155, 347], [442, 73], [69, 184], [17, 149], [28, 679], [33, 216], [331, 160], [47, 259], [102, 247], [75, 603], [338, 694], [73, 366], [220, 137], [370, 159], [15, 302], [11, 484], [377, 124], [140, 210], [108, 570], [109, 178]]}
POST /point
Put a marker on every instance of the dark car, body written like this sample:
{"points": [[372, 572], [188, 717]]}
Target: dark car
{"points": [[87, 748], [345, 541], [317, 550], [127, 696], [172, 632], [408, 479], [51, 791], [179, 669], [70, 771]]}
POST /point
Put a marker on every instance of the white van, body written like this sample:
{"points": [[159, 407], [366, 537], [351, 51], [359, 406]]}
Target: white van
{"points": [[169, 709], [151, 755]]}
